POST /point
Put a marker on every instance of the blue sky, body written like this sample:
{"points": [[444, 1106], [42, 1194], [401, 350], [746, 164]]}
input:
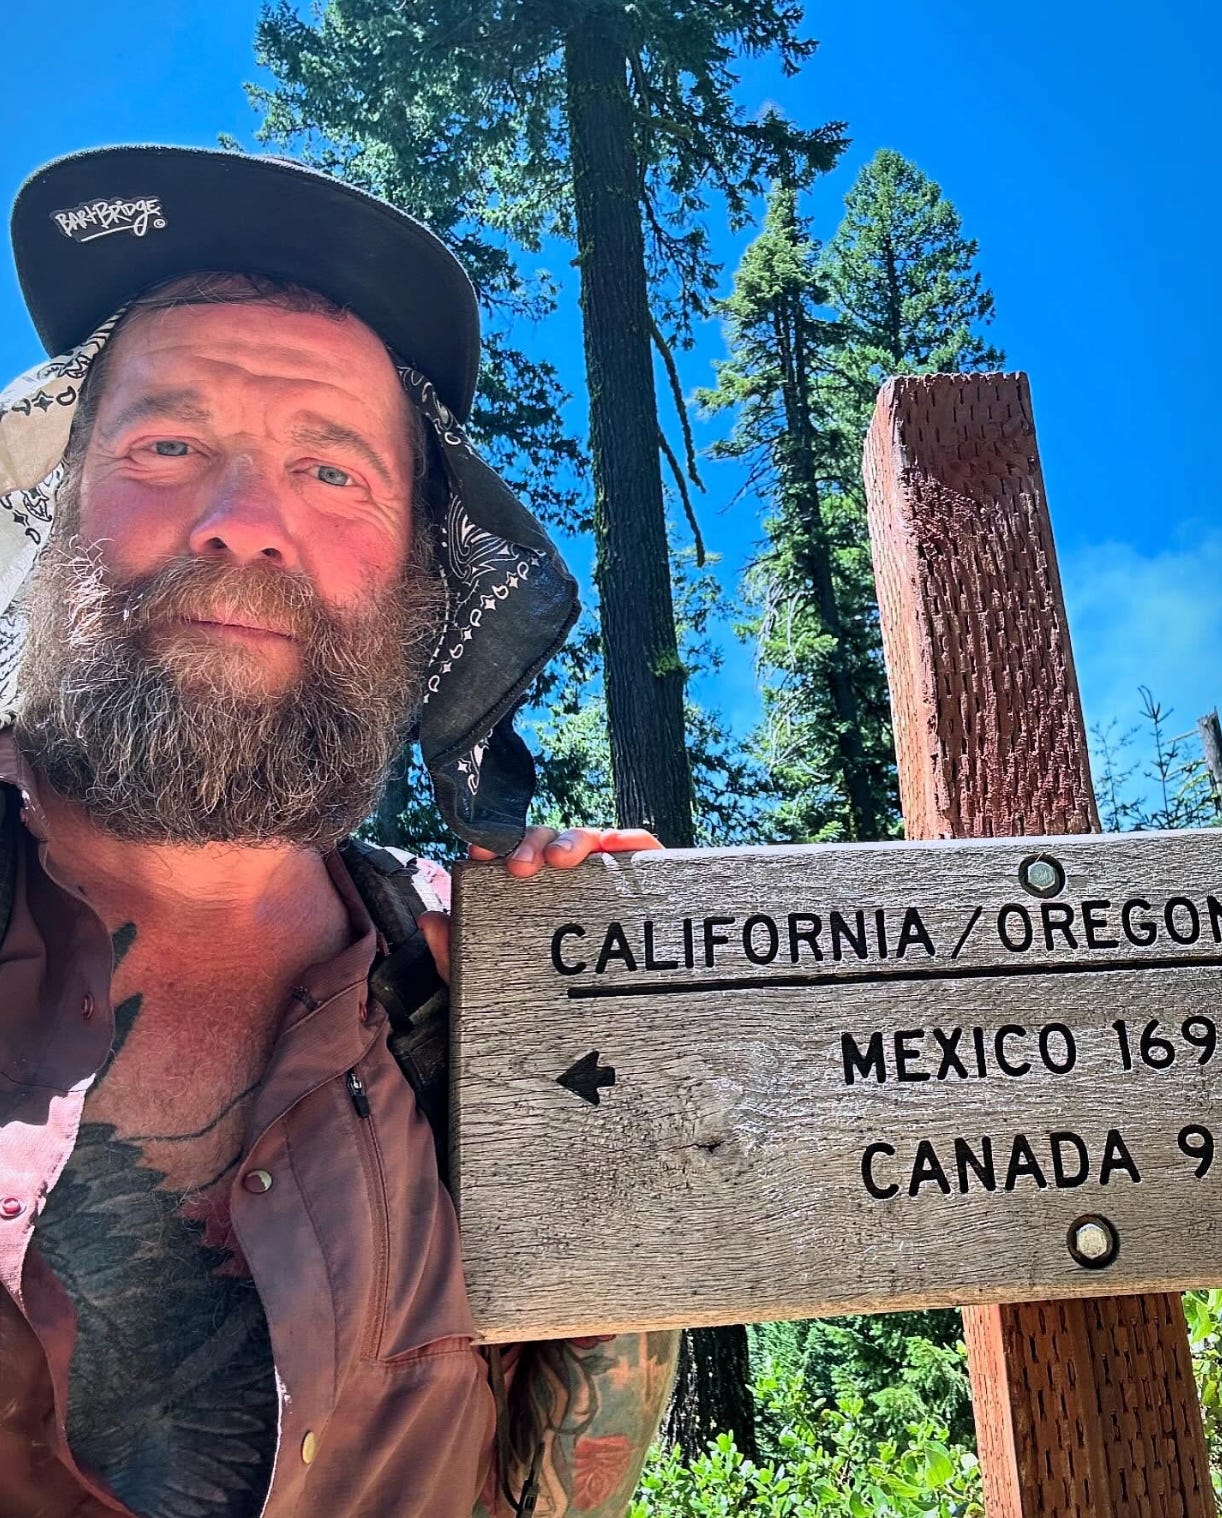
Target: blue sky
{"points": [[1080, 144]]}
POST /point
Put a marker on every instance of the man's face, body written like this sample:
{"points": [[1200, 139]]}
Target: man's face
{"points": [[250, 436], [228, 630]]}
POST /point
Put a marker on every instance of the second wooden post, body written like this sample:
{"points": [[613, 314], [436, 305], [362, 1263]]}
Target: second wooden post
{"points": [[1084, 1408]]}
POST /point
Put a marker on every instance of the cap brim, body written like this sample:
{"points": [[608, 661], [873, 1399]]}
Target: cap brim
{"points": [[92, 230]]}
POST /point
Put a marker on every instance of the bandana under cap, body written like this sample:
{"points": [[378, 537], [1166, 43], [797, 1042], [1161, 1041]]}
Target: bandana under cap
{"points": [[510, 600]]}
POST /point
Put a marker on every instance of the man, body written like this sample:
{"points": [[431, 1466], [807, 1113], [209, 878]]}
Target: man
{"points": [[231, 1278]]}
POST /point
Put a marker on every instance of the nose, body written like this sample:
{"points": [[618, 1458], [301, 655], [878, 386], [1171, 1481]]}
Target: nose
{"points": [[243, 519]]}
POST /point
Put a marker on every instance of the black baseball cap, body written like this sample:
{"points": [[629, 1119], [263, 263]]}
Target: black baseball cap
{"points": [[94, 229]]}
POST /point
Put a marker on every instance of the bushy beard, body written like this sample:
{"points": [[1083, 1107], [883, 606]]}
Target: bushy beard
{"points": [[168, 736]]}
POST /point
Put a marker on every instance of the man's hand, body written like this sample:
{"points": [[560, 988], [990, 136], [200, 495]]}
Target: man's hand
{"points": [[540, 848]]}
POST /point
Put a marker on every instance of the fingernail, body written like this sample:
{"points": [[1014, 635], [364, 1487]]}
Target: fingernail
{"points": [[563, 842], [523, 853]]}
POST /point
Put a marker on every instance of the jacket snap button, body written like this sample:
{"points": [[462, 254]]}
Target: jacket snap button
{"points": [[257, 1180], [11, 1207], [87, 1006], [309, 1447]]}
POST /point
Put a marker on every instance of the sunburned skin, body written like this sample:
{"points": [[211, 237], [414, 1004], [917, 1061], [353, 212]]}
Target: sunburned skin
{"points": [[172, 1397]]}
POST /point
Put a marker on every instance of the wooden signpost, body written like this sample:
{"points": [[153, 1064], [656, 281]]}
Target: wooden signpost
{"points": [[1085, 1408], [698, 1088]]}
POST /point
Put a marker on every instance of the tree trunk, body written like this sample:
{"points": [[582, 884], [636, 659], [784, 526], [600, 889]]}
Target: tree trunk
{"points": [[712, 1361], [816, 564], [644, 677]]}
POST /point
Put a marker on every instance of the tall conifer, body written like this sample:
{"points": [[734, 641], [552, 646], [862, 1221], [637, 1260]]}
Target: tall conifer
{"points": [[820, 696], [900, 277], [812, 335]]}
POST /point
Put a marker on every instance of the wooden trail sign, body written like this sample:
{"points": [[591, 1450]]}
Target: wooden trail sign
{"points": [[750, 1084], [1085, 1405]]}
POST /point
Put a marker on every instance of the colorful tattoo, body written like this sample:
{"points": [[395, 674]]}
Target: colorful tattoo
{"points": [[592, 1406]]}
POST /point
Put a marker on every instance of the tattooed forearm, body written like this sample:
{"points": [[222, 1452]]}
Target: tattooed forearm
{"points": [[593, 1408]]}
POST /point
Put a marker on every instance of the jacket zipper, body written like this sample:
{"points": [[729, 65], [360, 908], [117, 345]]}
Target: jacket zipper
{"points": [[356, 1090], [372, 1166]]}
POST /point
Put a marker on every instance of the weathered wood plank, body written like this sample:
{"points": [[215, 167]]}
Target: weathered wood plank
{"points": [[769, 1014], [1082, 1407]]}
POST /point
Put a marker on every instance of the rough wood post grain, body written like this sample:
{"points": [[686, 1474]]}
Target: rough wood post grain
{"points": [[1211, 745], [1085, 1408]]}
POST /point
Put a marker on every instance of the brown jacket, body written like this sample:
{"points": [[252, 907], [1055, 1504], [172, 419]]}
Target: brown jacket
{"points": [[385, 1409]]}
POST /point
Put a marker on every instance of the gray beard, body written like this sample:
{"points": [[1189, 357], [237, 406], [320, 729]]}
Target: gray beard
{"points": [[168, 739]]}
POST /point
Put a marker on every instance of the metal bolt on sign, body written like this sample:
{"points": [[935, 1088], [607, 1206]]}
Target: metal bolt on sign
{"points": [[1042, 875], [1093, 1241]]}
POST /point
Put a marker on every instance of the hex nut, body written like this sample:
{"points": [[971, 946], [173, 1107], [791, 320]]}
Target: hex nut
{"points": [[1042, 875], [1093, 1241]]}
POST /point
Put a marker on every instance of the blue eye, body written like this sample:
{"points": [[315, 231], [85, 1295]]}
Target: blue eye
{"points": [[330, 475], [170, 448]]}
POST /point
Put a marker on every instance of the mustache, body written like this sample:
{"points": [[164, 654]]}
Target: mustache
{"points": [[158, 740], [192, 589]]}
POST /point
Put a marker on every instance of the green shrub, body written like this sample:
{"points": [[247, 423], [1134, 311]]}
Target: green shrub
{"points": [[823, 1464], [906, 1367], [1203, 1310]]}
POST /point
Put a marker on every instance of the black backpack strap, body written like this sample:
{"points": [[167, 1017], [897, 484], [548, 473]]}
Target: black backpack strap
{"points": [[9, 807], [417, 1001], [405, 981]]}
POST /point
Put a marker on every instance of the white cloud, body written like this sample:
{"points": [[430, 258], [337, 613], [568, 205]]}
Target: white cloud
{"points": [[1150, 619]]}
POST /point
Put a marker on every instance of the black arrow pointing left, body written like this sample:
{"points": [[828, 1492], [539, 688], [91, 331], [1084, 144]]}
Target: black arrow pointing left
{"points": [[585, 1077]]}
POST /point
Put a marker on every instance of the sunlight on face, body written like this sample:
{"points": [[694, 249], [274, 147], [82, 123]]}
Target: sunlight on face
{"points": [[258, 438], [231, 623]]}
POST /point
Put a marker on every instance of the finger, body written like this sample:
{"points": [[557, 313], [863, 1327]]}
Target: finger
{"points": [[572, 846], [527, 859], [528, 852], [626, 840], [576, 844], [436, 929]]}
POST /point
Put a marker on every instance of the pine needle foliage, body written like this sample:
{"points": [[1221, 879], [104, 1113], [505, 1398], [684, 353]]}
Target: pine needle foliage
{"points": [[824, 700], [900, 276], [812, 332]]}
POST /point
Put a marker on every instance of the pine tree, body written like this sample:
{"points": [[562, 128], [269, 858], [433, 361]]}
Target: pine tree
{"points": [[899, 275], [821, 693], [813, 333], [606, 123], [609, 124]]}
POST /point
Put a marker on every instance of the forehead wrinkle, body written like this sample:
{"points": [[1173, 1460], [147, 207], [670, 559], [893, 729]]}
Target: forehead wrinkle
{"points": [[182, 403], [189, 336]]}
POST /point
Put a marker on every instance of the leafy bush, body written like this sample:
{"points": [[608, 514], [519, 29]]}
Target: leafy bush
{"points": [[905, 1367], [823, 1464], [1203, 1310]]}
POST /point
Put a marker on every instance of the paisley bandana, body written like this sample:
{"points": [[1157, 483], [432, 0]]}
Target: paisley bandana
{"points": [[510, 600]]}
